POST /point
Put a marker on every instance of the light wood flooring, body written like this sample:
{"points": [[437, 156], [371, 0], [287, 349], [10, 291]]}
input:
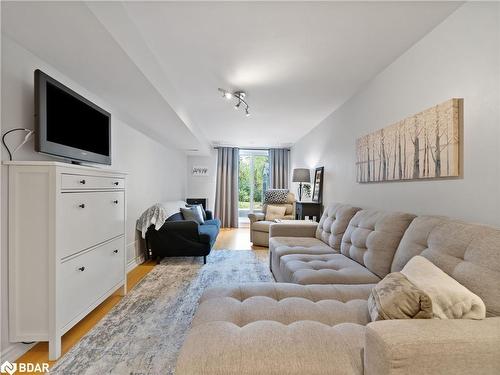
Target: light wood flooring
{"points": [[228, 239]]}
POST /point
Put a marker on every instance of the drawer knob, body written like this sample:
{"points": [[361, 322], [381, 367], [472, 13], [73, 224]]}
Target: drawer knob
{"points": [[83, 182], [81, 269], [116, 183], [81, 205], [115, 251], [115, 201]]}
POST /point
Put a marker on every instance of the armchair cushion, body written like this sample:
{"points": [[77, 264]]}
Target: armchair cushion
{"points": [[275, 212], [276, 196]]}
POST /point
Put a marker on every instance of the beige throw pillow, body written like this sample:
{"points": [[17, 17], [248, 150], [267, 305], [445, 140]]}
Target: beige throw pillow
{"points": [[395, 297], [450, 299], [275, 212]]}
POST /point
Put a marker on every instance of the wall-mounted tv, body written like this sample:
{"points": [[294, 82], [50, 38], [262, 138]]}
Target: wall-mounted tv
{"points": [[69, 126]]}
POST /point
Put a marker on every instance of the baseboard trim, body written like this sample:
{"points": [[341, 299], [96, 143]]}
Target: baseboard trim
{"points": [[14, 351], [134, 263]]}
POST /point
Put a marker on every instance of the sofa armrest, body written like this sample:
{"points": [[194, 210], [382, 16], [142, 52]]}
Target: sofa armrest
{"points": [[209, 214], [183, 228], [258, 216], [433, 346], [293, 230]]}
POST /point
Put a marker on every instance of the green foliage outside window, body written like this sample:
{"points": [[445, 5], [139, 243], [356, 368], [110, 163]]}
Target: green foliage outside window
{"points": [[261, 180]]}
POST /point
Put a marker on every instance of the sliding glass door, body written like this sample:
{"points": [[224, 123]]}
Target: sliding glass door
{"points": [[253, 180]]}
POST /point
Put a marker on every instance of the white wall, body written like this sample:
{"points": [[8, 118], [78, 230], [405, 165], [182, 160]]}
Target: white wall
{"points": [[202, 187], [156, 173], [459, 58]]}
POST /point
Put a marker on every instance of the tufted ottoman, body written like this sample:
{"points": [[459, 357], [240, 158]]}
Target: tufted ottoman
{"points": [[264, 328]]}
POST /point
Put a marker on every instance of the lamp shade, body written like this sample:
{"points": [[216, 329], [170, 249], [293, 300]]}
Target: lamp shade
{"points": [[301, 175]]}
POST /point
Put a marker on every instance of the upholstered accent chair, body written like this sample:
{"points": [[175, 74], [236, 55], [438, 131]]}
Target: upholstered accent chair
{"points": [[259, 226]]}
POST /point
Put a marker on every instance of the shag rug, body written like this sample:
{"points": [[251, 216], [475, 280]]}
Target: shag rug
{"points": [[143, 333]]}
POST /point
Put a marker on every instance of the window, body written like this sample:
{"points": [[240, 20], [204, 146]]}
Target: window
{"points": [[253, 180]]}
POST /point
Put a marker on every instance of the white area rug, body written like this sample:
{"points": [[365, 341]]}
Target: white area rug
{"points": [[144, 332]]}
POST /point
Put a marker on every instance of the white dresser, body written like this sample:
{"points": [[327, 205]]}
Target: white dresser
{"points": [[66, 246]]}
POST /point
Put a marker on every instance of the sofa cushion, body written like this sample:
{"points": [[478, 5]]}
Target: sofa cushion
{"points": [[470, 253], [275, 256], [334, 222], [324, 269], [215, 222], [208, 230], [267, 347], [280, 291], [395, 297], [276, 242], [285, 311], [372, 237], [193, 214]]}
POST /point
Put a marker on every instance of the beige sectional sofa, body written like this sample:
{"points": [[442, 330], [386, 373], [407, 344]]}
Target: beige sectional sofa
{"points": [[287, 328], [349, 246]]}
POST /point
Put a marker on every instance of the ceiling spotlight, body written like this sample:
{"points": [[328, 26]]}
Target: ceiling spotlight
{"points": [[239, 96]]}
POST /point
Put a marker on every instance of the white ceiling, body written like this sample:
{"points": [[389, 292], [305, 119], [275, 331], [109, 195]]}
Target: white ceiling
{"points": [[160, 63]]}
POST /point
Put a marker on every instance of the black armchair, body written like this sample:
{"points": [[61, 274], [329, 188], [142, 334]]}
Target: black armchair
{"points": [[179, 237]]}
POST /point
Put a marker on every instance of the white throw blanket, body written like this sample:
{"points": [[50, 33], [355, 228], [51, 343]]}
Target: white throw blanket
{"points": [[157, 214], [450, 299]]}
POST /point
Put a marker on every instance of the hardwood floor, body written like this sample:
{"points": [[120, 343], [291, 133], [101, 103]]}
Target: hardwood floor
{"points": [[235, 239], [228, 239]]}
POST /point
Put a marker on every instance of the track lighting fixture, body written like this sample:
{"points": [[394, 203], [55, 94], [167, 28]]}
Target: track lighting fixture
{"points": [[239, 96]]}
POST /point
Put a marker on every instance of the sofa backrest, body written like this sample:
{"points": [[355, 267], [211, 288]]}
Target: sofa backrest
{"points": [[470, 253], [334, 222], [372, 238], [290, 204]]}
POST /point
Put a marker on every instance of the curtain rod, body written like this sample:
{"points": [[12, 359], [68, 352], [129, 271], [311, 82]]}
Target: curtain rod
{"points": [[254, 148]]}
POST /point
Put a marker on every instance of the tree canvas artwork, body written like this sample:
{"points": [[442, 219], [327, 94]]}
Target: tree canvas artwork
{"points": [[425, 145]]}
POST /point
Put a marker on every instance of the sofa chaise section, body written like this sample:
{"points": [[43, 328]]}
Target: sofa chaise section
{"points": [[367, 249], [322, 238]]}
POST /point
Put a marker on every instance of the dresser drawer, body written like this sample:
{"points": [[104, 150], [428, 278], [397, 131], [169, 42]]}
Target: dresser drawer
{"points": [[78, 182], [86, 278], [87, 219]]}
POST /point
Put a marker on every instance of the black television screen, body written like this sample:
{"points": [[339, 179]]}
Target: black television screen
{"points": [[68, 125]]}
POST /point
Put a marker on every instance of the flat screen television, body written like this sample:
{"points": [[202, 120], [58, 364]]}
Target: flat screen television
{"points": [[69, 126]]}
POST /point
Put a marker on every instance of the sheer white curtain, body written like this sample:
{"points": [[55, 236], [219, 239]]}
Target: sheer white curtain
{"points": [[226, 193], [279, 165]]}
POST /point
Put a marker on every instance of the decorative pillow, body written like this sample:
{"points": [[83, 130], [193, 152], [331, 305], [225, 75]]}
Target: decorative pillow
{"points": [[192, 214], [450, 299], [395, 297], [278, 196], [202, 210], [275, 212]]}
